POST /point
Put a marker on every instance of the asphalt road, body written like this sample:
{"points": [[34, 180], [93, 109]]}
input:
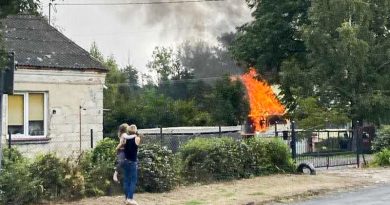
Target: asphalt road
{"points": [[369, 196]]}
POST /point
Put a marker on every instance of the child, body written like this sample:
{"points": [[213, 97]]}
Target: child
{"points": [[122, 134]]}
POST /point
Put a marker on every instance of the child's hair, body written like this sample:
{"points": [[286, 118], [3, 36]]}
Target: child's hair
{"points": [[122, 129], [132, 129]]}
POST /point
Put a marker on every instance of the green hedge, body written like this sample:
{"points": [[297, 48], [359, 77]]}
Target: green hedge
{"points": [[206, 160], [48, 177]]}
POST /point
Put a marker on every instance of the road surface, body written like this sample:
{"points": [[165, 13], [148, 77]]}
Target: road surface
{"points": [[379, 195]]}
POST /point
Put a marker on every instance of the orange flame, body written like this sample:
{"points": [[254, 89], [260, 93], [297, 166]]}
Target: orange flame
{"points": [[262, 101]]}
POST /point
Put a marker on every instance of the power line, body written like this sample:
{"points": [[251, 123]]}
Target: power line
{"points": [[136, 3]]}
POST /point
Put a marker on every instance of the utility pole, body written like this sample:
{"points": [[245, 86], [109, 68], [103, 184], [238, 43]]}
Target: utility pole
{"points": [[81, 108]]}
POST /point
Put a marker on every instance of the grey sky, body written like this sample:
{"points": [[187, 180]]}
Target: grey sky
{"points": [[130, 32]]}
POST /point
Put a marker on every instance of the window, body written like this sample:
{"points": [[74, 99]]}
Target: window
{"points": [[26, 114]]}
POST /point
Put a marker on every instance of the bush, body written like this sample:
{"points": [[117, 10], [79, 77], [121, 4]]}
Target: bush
{"points": [[11, 156], [207, 160], [97, 166], [156, 169], [49, 170], [74, 181], [279, 156], [382, 140], [382, 158], [17, 186]]}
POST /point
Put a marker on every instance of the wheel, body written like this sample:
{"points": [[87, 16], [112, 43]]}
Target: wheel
{"points": [[306, 166]]}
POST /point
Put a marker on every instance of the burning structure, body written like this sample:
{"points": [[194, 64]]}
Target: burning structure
{"points": [[264, 105]]}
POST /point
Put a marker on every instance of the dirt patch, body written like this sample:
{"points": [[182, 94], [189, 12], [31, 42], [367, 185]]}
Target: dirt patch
{"points": [[259, 190]]}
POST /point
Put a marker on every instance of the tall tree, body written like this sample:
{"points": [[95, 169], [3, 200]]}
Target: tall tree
{"points": [[166, 63], [335, 51], [348, 44], [273, 36]]}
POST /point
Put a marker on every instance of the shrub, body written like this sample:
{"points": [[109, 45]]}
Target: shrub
{"points": [[74, 181], [17, 186], [206, 160], [211, 159], [97, 166], [280, 156], [11, 156], [156, 169], [382, 158], [382, 140], [51, 172]]}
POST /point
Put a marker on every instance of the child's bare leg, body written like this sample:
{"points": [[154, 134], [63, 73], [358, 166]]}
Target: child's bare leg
{"points": [[115, 176]]}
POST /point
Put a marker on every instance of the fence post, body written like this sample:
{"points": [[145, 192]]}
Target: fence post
{"points": [[357, 131], [293, 141], [327, 156], [161, 136], [219, 131], [91, 138], [276, 128], [9, 145]]}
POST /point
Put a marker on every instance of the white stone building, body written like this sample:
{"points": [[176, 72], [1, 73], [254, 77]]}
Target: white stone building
{"points": [[58, 96]]}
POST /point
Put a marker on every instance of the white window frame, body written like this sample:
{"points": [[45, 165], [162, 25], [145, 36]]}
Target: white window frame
{"points": [[26, 113]]}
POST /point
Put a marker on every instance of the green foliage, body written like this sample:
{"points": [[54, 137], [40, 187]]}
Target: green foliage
{"points": [[97, 168], [230, 107], [157, 171], [207, 160], [177, 100], [50, 171], [18, 186], [382, 140], [311, 115], [382, 158], [8, 7], [334, 51], [272, 36], [11, 156]]}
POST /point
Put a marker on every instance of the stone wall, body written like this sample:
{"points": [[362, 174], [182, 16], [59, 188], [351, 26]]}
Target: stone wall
{"points": [[66, 91]]}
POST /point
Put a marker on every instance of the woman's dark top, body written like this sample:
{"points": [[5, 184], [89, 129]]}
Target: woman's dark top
{"points": [[131, 150]]}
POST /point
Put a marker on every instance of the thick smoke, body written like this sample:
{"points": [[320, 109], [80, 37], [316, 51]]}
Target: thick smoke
{"points": [[196, 20]]}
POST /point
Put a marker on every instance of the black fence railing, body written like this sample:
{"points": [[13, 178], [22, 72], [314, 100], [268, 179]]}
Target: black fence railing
{"points": [[329, 147]]}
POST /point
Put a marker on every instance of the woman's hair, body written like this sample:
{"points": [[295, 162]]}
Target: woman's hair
{"points": [[122, 129], [132, 129]]}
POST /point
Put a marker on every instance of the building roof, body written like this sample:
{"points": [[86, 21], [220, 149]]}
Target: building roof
{"points": [[37, 44]]}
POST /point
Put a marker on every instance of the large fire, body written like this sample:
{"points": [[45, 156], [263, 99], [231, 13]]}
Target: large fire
{"points": [[262, 101]]}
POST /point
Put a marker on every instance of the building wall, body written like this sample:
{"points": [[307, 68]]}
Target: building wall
{"points": [[66, 92]]}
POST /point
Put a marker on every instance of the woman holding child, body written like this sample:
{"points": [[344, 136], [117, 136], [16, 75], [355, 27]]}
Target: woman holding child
{"points": [[127, 152]]}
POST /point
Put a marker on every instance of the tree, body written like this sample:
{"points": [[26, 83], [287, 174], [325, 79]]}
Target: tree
{"points": [[333, 51], [228, 104], [9, 7], [273, 36], [344, 40], [166, 63]]}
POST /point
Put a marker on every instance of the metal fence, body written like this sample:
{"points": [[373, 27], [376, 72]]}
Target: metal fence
{"points": [[329, 147]]}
